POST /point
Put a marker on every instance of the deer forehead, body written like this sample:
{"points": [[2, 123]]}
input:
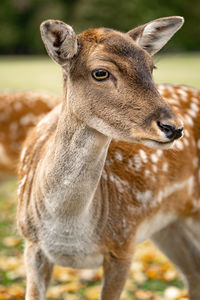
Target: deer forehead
{"points": [[113, 47]]}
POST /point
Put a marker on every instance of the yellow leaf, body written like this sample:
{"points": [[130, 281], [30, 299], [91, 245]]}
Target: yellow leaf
{"points": [[61, 274], [57, 291], [4, 297], [16, 291], [143, 294], [93, 293], [72, 297], [169, 275], [11, 241]]}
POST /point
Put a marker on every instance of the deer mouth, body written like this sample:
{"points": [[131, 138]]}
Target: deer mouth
{"points": [[158, 144]]}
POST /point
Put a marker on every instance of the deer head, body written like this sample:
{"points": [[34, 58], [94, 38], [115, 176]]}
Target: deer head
{"points": [[109, 83]]}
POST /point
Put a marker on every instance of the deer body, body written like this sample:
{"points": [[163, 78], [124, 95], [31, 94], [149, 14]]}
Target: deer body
{"points": [[84, 200], [19, 112], [139, 198]]}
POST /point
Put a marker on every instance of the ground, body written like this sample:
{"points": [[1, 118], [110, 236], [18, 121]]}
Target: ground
{"points": [[152, 276]]}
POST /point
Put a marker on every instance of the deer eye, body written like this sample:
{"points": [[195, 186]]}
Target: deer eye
{"points": [[100, 74]]}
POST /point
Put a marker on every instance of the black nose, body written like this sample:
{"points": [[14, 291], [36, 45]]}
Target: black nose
{"points": [[170, 131]]}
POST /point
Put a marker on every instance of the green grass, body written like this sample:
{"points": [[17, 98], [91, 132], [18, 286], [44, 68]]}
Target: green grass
{"points": [[178, 69], [159, 285], [30, 73], [40, 73]]}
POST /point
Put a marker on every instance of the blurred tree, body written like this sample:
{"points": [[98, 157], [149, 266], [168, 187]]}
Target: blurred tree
{"points": [[20, 19]]}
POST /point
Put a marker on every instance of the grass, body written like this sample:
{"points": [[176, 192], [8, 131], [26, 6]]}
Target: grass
{"points": [[40, 73], [35, 73], [178, 69]]}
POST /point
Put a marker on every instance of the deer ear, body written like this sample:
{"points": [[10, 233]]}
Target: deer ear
{"points": [[154, 35], [60, 40]]}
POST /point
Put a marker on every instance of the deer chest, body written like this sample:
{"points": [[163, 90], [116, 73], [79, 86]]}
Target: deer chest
{"points": [[70, 245]]}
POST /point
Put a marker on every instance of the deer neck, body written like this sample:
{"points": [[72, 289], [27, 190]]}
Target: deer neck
{"points": [[72, 165]]}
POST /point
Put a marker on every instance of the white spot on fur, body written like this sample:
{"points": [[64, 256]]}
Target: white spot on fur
{"points": [[183, 94], [192, 113], [195, 100], [165, 167], [154, 158], [144, 197], [120, 184], [27, 119], [118, 156], [194, 107], [189, 183], [147, 173], [161, 87], [186, 133], [169, 190], [185, 141], [172, 101], [17, 106], [170, 89], [178, 145], [159, 152], [198, 144], [175, 96], [143, 155], [195, 162], [189, 120]]}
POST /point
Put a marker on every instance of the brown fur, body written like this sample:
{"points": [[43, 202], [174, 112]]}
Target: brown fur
{"points": [[19, 112]]}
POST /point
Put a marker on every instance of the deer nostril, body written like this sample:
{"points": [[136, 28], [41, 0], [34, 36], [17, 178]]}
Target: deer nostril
{"points": [[170, 131]]}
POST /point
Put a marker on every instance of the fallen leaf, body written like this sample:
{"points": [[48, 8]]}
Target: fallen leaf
{"points": [[11, 241], [92, 293]]}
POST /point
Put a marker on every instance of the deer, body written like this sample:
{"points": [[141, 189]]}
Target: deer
{"points": [[20, 111], [110, 166]]}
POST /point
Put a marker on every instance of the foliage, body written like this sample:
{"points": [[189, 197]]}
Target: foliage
{"points": [[20, 19]]}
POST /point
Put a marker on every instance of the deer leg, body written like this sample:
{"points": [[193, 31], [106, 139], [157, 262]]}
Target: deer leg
{"points": [[38, 270], [176, 242], [115, 275]]}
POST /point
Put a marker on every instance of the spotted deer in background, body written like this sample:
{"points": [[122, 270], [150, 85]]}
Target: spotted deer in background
{"points": [[90, 188], [19, 112]]}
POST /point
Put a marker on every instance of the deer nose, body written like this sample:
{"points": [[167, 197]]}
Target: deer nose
{"points": [[170, 131]]}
